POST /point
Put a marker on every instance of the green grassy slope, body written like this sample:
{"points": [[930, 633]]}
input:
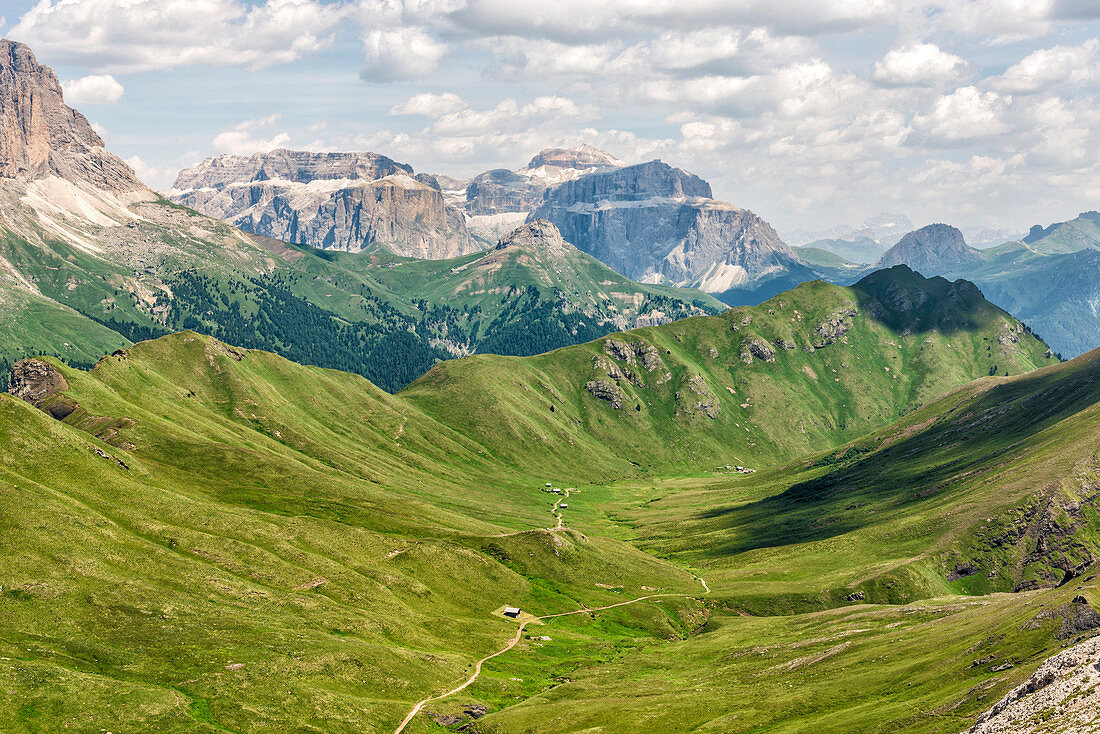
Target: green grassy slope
{"points": [[518, 300], [32, 325], [264, 545], [994, 487], [297, 521], [829, 364], [1080, 233]]}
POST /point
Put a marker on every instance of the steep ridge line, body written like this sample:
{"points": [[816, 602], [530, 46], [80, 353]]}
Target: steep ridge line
{"points": [[519, 635]]}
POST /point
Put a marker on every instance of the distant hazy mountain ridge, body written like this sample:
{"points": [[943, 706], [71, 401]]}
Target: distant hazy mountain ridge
{"points": [[501, 191]]}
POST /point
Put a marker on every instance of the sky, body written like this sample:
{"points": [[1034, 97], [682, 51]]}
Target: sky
{"points": [[812, 114]]}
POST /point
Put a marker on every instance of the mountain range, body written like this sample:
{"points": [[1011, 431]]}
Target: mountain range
{"points": [[91, 260], [1051, 279], [361, 449], [651, 222]]}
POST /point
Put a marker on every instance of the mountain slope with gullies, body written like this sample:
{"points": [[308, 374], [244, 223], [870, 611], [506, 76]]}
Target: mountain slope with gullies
{"points": [[97, 261], [103, 261], [534, 292], [331, 201], [196, 529]]}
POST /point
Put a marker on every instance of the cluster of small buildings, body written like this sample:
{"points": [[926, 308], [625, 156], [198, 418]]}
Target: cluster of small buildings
{"points": [[552, 489], [740, 469]]}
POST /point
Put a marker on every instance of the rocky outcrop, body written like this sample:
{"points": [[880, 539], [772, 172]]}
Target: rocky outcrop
{"points": [[41, 136], [833, 328], [936, 249], [1062, 695], [638, 352], [655, 223], [538, 235], [332, 201], [40, 384], [757, 348], [607, 391], [695, 397]]}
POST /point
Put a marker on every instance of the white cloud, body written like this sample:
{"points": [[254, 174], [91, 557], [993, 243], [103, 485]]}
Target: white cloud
{"points": [[400, 53], [239, 139], [92, 89], [154, 177], [965, 114], [580, 21], [1000, 21], [509, 115], [430, 105], [921, 64], [141, 35], [1049, 67]]}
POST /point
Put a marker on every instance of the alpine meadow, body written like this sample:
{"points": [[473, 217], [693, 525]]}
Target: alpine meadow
{"points": [[383, 368]]}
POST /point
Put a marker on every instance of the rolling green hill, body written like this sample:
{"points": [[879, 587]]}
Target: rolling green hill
{"points": [[217, 539], [818, 365]]}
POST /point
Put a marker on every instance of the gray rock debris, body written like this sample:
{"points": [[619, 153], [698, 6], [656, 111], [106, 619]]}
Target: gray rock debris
{"points": [[834, 327], [1063, 695]]}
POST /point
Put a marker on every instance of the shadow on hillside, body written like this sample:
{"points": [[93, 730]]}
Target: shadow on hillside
{"points": [[904, 300], [918, 471]]}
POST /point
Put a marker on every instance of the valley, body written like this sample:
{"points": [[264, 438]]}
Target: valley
{"points": [[325, 552], [315, 441]]}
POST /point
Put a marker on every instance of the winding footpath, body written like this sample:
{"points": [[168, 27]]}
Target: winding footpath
{"points": [[523, 626]]}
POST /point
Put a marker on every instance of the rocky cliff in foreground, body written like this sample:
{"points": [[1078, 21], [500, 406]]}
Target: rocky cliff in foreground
{"points": [[332, 201], [1063, 695]]}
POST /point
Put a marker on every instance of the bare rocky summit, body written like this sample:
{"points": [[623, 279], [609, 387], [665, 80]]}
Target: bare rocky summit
{"points": [[332, 201], [932, 250], [1063, 695], [41, 136], [501, 191], [658, 224]]}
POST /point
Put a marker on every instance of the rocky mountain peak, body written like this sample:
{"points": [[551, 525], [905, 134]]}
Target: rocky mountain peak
{"points": [[580, 158], [41, 136], [538, 234], [931, 250]]}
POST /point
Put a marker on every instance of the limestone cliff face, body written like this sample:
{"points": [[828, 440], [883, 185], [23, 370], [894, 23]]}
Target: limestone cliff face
{"points": [[655, 223], [501, 191], [333, 201], [40, 136]]}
